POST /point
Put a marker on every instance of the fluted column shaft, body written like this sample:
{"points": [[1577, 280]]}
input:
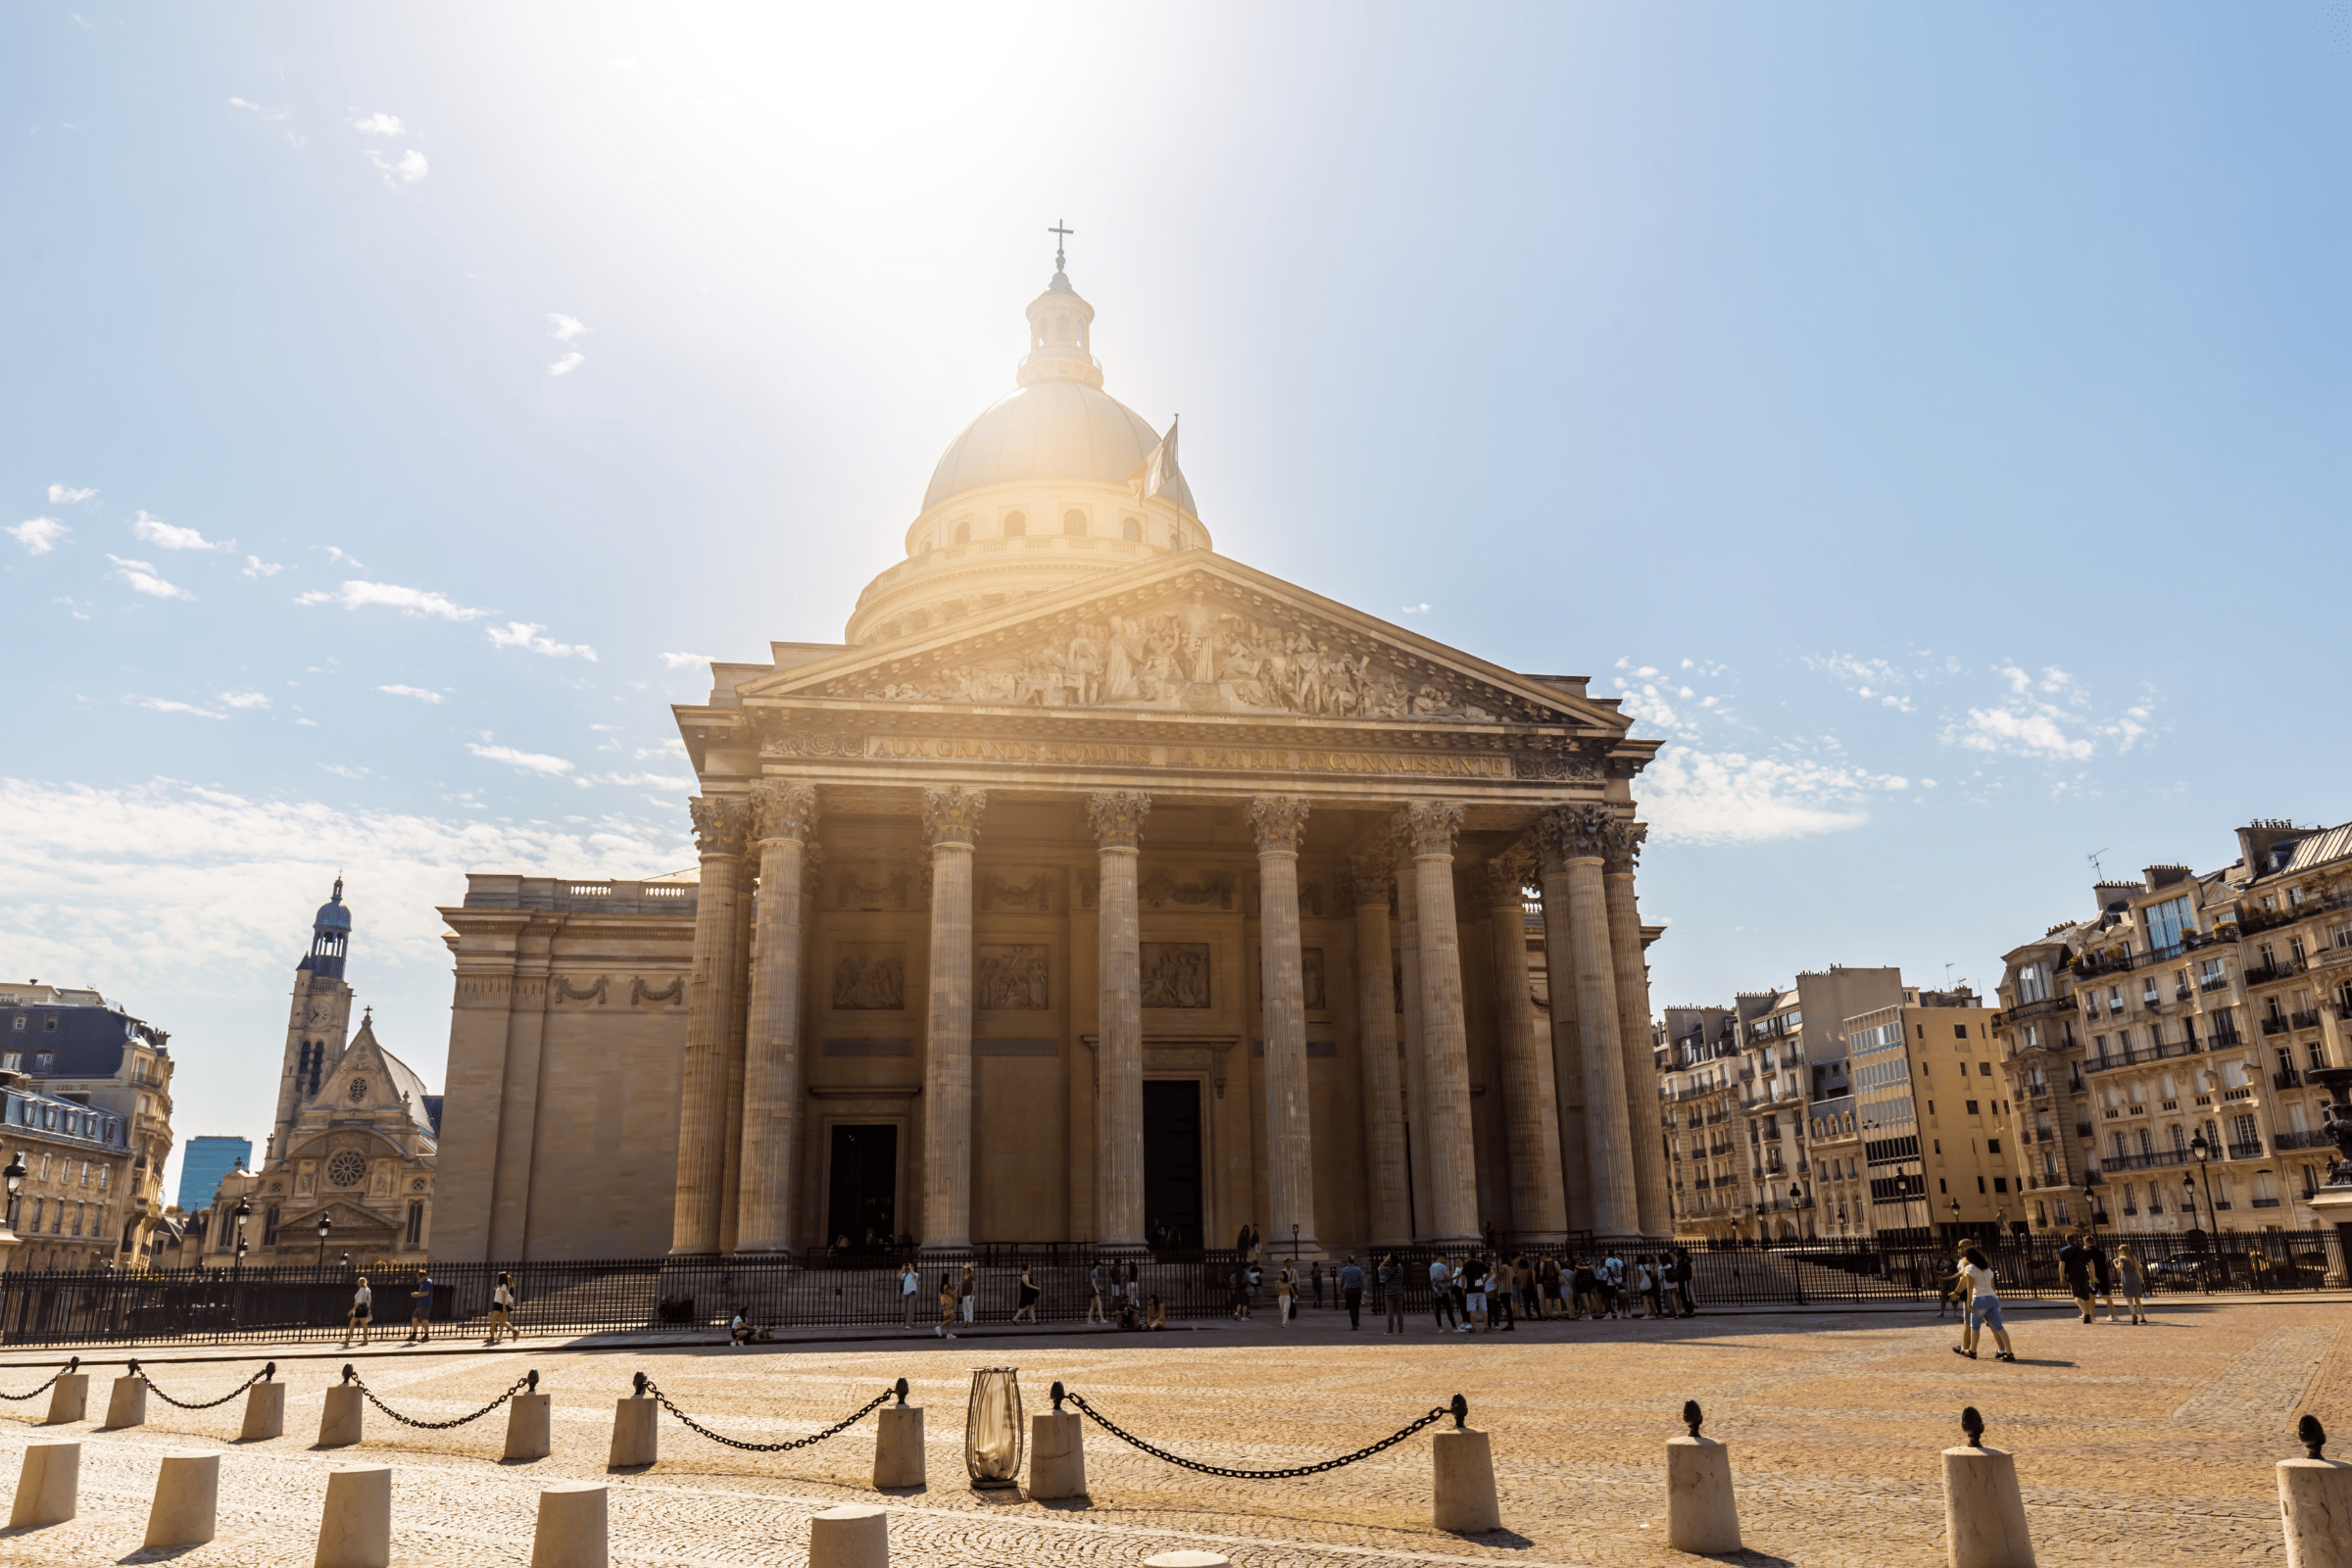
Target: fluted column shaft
{"points": [[1652, 1197], [702, 1132], [1530, 1116], [1117, 819], [1387, 1202], [951, 824], [1423, 1212], [1289, 1124], [1575, 835], [782, 816], [738, 1032], [1446, 1071], [1567, 1048]]}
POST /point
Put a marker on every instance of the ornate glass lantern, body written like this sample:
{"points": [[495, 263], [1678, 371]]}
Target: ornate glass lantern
{"points": [[991, 1427]]}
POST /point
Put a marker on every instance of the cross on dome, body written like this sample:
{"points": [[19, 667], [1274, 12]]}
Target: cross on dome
{"points": [[1061, 263]]}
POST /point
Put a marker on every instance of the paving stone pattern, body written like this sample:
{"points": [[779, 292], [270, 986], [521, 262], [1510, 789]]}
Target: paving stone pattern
{"points": [[2155, 1443]]}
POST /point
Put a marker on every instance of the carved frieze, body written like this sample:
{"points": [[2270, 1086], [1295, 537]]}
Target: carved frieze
{"points": [[675, 992], [871, 887], [559, 989], [1011, 977], [1032, 891], [1621, 846], [870, 977], [1158, 890], [1175, 974], [1428, 828]]}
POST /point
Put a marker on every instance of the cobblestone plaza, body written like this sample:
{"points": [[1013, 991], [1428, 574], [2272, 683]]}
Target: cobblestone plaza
{"points": [[2153, 1445]]}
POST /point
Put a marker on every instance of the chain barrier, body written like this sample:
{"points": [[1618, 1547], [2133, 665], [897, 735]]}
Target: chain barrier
{"points": [[1458, 1410], [75, 1365], [645, 1385], [528, 1383], [262, 1376]]}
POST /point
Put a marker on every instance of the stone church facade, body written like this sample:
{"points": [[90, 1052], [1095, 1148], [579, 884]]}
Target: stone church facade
{"points": [[1096, 888]]}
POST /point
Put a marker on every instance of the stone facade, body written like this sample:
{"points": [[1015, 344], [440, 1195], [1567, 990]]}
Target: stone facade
{"points": [[70, 1051], [2190, 1006], [1140, 899]]}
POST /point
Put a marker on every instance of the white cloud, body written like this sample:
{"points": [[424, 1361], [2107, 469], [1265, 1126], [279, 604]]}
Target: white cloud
{"points": [[530, 761], [143, 579], [341, 559], [415, 601], [568, 364], [685, 661], [256, 568], [567, 327], [674, 747], [2048, 716], [420, 692], [411, 168], [165, 705], [154, 530], [243, 698], [38, 535], [1694, 797], [656, 781], [66, 493], [381, 125], [272, 117], [524, 634], [66, 852]]}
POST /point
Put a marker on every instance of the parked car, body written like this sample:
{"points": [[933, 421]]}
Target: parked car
{"points": [[2175, 1271]]}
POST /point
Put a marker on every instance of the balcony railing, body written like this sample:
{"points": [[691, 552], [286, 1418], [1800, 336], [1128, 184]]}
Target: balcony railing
{"points": [[2153, 1160], [2209, 986], [2262, 974], [2274, 1026], [2314, 1138], [2249, 1150], [2286, 1078], [2303, 1020]]}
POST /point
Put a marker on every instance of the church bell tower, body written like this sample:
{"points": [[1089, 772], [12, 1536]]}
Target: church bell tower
{"points": [[318, 1020]]}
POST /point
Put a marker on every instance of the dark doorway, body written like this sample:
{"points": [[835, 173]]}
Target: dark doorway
{"points": [[864, 1206], [1173, 1162]]}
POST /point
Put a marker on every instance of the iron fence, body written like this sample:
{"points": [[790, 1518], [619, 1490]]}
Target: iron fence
{"points": [[2026, 1266]]}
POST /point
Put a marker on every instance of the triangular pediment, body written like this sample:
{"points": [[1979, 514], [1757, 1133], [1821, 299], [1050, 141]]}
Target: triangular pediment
{"points": [[1194, 633]]}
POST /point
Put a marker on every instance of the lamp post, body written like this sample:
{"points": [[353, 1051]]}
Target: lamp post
{"points": [[1293, 1252], [2204, 1152], [1955, 1205], [16, 1182], [327, 1223], [244, 1213]]}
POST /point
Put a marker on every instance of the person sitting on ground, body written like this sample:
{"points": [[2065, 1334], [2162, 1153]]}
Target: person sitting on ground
{"points": [[741, 1331], [1129, 1318], [1156, 1314]]}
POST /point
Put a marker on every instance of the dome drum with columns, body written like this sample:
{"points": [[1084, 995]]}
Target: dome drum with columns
{"points": [[1106, 890]]}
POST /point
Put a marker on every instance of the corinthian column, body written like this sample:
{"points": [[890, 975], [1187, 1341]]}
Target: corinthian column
{"points": [[719, 830], [782, 814], [950, 826], [1416, 1038], [1530, 1118], [1290, 1131], [1446, 1068], [1387, 1206], [1619, 851], [1117, 819], [1570, 840]]}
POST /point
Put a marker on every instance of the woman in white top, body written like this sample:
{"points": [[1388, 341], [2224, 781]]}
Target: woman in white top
{"points": [[907, 1285], [1984, 1309], [363, 1308], [502, 1309]]}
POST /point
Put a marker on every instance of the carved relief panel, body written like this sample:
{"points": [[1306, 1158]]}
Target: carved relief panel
{"points": [[870, 977], [1175, 974], [874, 887], [1011, 977]]}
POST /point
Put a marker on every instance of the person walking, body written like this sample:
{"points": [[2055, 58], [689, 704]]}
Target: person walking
{"points": [[1653, 1284], [2075, 1260], [2102, 1274], [1952, 1287], [502, 1309], [907, 1291], [362, 1307], [1352, 1292], [1441, 1293], [1286, 1295], [1583, 1284], [1315, 1281], [420, 1311], [1029, 1295], [1391, 1292], [947, 1299], [967, 1294], [1683, 1275], [1094, 1283], [1474, 1293], [2132, 1281], [1984, 1309]]}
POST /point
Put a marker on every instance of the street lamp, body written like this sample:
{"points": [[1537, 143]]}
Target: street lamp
{"points": [[1293, 1250], [1955, 1206], [326, 1222], [16, 1184], [2205, 1152]]}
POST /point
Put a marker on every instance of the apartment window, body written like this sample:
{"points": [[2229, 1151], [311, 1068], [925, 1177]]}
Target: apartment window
{"points": [[1983, 1069], [2167, 921], [2000, 1184], [44, 1061], [1992, 1146], [2294, 895], [1980, 1187], [1971, 1107], [2033, 983], [2211, 973], [37, 1204], [416, 1224], [1959, 1031], [104, 1173], [2294, 948], [2318, 1053]]}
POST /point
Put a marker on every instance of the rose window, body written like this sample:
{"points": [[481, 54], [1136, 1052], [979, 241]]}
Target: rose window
{"points": [[359, 1089], [348, 1169]]}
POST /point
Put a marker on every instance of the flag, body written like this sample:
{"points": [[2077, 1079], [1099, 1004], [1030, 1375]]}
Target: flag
{"points": [[1157, 470]]}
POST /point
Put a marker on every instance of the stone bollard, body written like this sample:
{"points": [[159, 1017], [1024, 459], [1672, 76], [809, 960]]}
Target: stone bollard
{"points": [[356, 1531], [1462, 1474], [1056, 1453], [187, 1497], [852, 1536], [899, 1458], [1700, 1515], [636, 1435], [49, 1488], [1187, 1559], [265, 1408], [70, 1398], [340, 1423], [529, 1426], [2315, 1503], [126, 1405], [1984, 1513], [572, 1531]]}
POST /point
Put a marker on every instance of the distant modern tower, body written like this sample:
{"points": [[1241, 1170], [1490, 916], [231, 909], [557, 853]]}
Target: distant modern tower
{"points": [[208, 1160], [318, 1020]]}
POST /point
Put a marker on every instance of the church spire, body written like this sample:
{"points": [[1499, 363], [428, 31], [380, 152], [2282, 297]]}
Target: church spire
{"points": [[1061, 324], [330, 936]]}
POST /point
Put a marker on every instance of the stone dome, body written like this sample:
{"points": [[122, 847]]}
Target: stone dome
{"points": [[1051, 430]]}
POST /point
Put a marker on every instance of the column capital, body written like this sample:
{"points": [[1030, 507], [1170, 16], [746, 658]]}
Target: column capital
{"points": [[953, 815], [1428, 828], [1502, 881], [1621, 846], [1573, 833], [783, 809], [1277, 820], [1370, 879], [719, 823], [1117, 817]]}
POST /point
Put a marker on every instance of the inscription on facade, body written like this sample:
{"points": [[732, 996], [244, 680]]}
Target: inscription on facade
{"points": [[1222, 759]]}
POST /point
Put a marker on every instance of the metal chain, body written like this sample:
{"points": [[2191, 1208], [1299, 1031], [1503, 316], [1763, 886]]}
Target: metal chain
{"points": [[69, 1366], [1117, 1431], [835, 1430], [141, 1372], [527, 1381]]}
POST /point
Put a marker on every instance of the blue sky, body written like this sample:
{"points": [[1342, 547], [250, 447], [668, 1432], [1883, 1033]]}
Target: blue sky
{"points": [[1930, 417]]}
